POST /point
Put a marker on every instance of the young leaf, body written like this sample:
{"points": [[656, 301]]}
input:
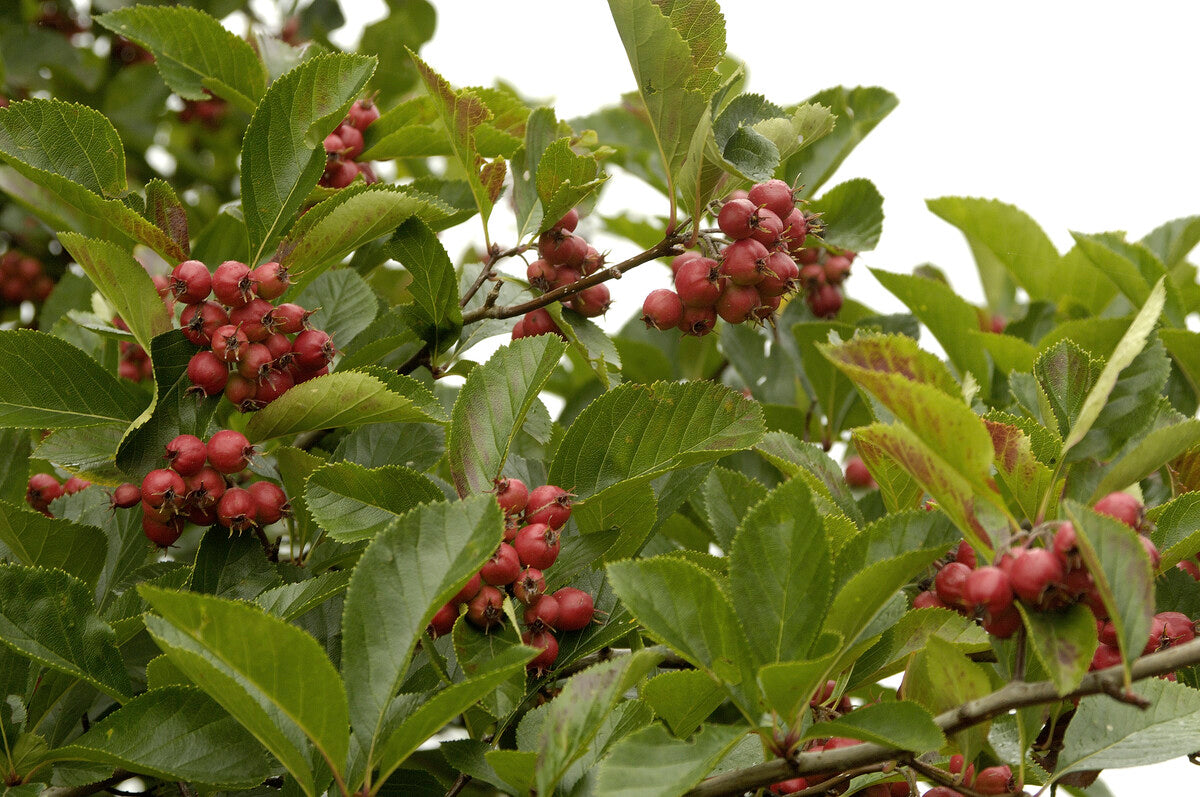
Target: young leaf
{"points": [[282, 156], [910, 635], [32, 538], [683, 698], [853, 211], [1021, 473], [434, 313], [194, 52], [940, 678], [780, 573], [491, 408], [788, 686], [1172, 241], [49, 616], [174, 733], [857, 111], [903, 725], [652, 763], [345, 398], [728, 496], [282, 688], [354, 503], [1176, 531], [75, 391], [652, 429], [564, 179], [407, 573]]}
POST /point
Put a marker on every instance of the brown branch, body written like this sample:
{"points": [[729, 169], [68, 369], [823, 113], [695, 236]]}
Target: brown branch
{"points": [[493, 257], [1017, 694]]}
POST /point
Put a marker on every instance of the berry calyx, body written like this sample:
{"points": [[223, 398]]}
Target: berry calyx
{"points": [[662, 309], [164, 534], [237, 509], [550, 505], [229, 343], [537, 545], [512, 495], [486, 610], [232, 284], [191, 282], [163, 489], [272, 278], [529, 585], [313, 349]]}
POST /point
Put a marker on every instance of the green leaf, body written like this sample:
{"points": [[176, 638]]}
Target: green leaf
{"points": [[1176, 531], [853, 213], [74, 391], [941, 678], [652, 763], [124, 283], [1130, 346], [345, 305], [687, 609], [1105, 734], [1020, 472], [652, 429], [49, 616], [167, 212], [290, 601], [351, 218], [407, 573], [31, 538], [1066, 374], [282, 156], [788, 686], [345, 398], [683, 698], [354, 503], [235, 568], [434, 313], [491, 408], [903, 725], [174, 733], [282, 688], [587, 699], [70, 170], [194, 52], [1172, 241], [728, 496], [1121, 571], [858, 111], [564, 179], [1064, 643], [1148, 453], [910, 635], [1133, 269], [780, 573]]}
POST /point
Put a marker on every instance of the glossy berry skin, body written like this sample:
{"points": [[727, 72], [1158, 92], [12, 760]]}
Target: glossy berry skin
{"points": [[737, 218], [205, 488], [592, 302], [503, 568], [1003, 625], [200, 321], [191, 282], [469, 590], [775, 195], [186, 454], [575, 609], [995, 780], [768, 228], [43, 487], [256, 319], [737, 303], [512, 495], [569, 222], [550, 505], [256, 362], [1122, 506], [443, 620], [537, 545], [162, 534], [782, 275], [698, 282], [547, 644], [485, 610], [928, 600], [744, 262], [229, 343], [1033, 572], [270, 502], [542, 613], [698, 321], [949, 583], [273, 280], [313, 349], [232, 284], [163, 488], [237, 509], [988, 588], [127, 495], [240, 392], [540, 322], [662, 309], [290, 318], [229, 451], [1065, 541], [965, 554], [529, 585]]}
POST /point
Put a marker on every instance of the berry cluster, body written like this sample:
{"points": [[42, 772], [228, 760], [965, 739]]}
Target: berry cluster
{"points": [[822, 275], [194, 487], [22, 279], [533, 524], [255, 351], [990, 780], [563, 258], [44, 488], [345, 144]]}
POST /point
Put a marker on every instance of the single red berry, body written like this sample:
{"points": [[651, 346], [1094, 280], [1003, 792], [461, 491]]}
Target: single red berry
{"points": [[547, 644], [1003, 625], [1151, 552], [541, 613], [339, 173], [313, 349], [42, 489], [737, 218], [698, 282], [469, 590], [232, 284], [825, 301], [200, 321], [745, 262], [564, 276], [837, 269], [1106, 632], [569, 222], [291, 318], [593, 261], [443, 620], [273, 280], [1122, 506], [1065, 542], [928, 600], [127, 495], [256, 362], [781, 275], [737, 303], [333, 144], [271, 504], [518, 330], [789, 786], [503, 568], [256, 319], [164, 534], [1035, 571], [768, 227], [965, 554], [775, 195], [362, 113], [540, 322], [237, 509], [537, 545], [550, 505], [540, 274], [795, 229], [229, 343], [1156, 639], [562, 248], [272, 385], [163, 489], [950, 581], [989, 588], [662, 309], [529, 585], [74, 485], [191, 282], [1105, 656], [575, 609], [280, 348], [512, 495], [352, 141], [186, 454], [240, 392], [229, 451], [1177, 628], [592, 302], [677, 262], [698, 321], [205, 488], [812, 277], [486, 610]]}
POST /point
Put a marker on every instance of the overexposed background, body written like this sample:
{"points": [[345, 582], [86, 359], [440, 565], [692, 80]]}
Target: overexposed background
{"points": [[1083, 115]]}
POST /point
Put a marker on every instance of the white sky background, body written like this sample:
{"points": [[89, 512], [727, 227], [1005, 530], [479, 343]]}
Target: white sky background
{"points": [[1084, 115]]}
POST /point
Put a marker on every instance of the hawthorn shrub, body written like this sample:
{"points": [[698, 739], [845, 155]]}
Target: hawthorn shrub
{"points": [[273, 522]]}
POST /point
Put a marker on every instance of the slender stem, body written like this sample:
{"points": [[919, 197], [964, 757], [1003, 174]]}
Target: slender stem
{"points": [[459, 784], [941, 777]]}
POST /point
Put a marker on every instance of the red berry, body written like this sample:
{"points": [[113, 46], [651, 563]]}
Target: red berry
{"points": [[678, 262], [237, 509], [745, 262], [271, 504], [1033, 572], [280, 347], [542, 613], [503, 568], [593, 261], [486, 608], [1105, 656], [550, 505], [200, 321], [205, 488], [825, 301], [768, 227], [736, 218], [1177, 628], [229, 343], [575, 609], [240, 392], [781, 275], [469, 590], [42, 489], [592, 302], [443, 620], [537, 545], [352, 141], [950, 581], [229, 451], [775, 195], [313, 349], [928, 600], [272, 385], [290, 318], [1122, 506], [191, 282], [1005, 624], [512, 495], [540, 274], [737, 302], [256, 362], [540, 322], [162, 534], [812, 276], [273, 280], [789, 786], [362, 113], [529, 585], [333, 144], [232, 284], [163, 489], [547, 644], [339, 173], [200, 515], [698, 282], [1151, 552], [965, 554], [186, 454], [1106, 632], [698, 321], [564, 276], [256, 319], [989, 588], [795, 229], [1065, 541], [562, 248], [662, 309], [837, 269], [127, 495], [569, 222]]}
